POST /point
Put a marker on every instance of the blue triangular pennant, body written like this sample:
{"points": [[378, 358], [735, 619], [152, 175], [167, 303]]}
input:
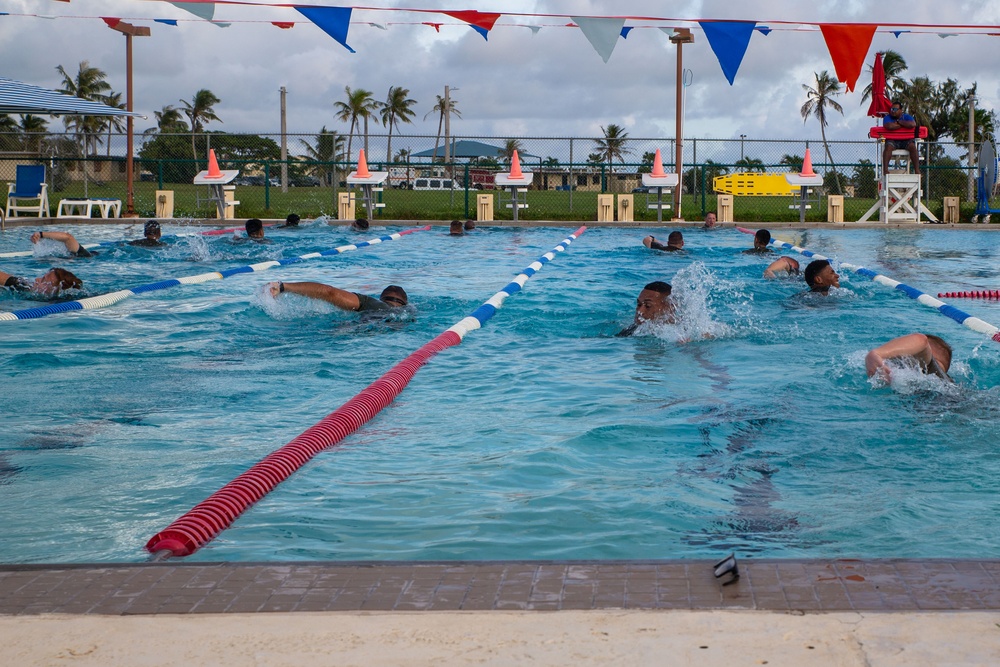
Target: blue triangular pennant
{"points": [[172, 22], [334, 21], [729, 41], [626, 30]]}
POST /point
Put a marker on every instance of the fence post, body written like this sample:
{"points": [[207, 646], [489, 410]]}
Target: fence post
{"points": [[466, 178], [159, 174], [267, 185]]}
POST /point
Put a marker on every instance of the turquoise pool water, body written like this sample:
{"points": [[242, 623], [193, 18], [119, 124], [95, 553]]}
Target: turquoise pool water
{"points": [[541, 436]]}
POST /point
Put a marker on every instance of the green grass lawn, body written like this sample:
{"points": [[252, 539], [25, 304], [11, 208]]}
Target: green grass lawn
{"points": [[261, 202]]}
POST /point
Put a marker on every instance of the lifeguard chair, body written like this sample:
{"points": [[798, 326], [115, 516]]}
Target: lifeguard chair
{"points": [[899, 191]]}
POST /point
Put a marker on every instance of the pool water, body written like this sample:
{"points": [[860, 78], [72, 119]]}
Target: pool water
{"points": [[749, 427]]}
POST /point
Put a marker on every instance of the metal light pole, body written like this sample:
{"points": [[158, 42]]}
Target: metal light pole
{"points": [[284, 144], [742, 137], [129, 31], [680, 37], [972, 148]]}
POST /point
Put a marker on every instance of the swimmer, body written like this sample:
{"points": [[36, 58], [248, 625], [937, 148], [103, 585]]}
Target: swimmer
{"points": [[760, 241], [931, 353], [469, 225], [72, 245], [710, 221], [652, 305], [786, 264], [675, 242], [52, 283], [360, 225], [291, 221], [392, 296], [456, 228], [820, 276], [150, 236], [255, 230]]}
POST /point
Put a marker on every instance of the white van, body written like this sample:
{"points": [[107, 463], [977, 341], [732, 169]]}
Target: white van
{"points": [[433, 184]]}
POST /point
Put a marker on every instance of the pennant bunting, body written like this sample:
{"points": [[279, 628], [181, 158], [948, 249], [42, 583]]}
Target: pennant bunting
{"points": [[602, 33], [534, 29], [111, 21], [729, 41], [284, 25], [172, 22], [763, 29], [481, 22], [380, 26], [436, 26], [626, 30], [200, 9], [334, 21], [897, 33], [848, 45]]}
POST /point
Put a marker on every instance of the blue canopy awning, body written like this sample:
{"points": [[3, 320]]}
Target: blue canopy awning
{"points": [[465, 148], [18, 97]]}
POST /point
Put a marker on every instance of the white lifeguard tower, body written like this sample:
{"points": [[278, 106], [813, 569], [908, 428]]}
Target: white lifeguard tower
{"points": [[899, 190], [658, 180], [370, 182], [516, 181]]}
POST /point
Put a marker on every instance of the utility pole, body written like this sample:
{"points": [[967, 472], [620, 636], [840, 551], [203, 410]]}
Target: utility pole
{"points": [[447, 123], [284, 144], [680, 37], [129, 31], [970, 194]]}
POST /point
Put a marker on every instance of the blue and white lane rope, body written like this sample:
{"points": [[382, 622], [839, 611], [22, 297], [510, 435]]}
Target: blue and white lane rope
{"points": [[104, 300], [483, 313], [945, 309], [104, 244]]}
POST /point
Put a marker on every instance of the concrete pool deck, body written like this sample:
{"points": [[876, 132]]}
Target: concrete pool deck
{"points": [[779, 612]]}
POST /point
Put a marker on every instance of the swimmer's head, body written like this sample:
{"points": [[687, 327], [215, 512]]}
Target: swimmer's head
{"points": [[941, 351], [820, 276], [653, 303], [456, 228], [394, 295], [360, 225], [151, 230], [55, 281], [761, 238], [255, 228], [292, 220]]}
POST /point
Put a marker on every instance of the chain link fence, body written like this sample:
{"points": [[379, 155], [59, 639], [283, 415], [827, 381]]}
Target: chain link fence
{"points": [[427, 183]]}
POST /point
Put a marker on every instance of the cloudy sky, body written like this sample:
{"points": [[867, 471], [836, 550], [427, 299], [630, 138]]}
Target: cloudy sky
{"points": [[519, 83]]}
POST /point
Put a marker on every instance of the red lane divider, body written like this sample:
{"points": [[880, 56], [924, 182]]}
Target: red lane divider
{"points": [[217, 512], [979, 294]]}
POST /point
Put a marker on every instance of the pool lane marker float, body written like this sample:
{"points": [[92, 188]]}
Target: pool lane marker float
{"points": [[978, 294], [217, 512], [952, 312], [104, 244], [111, 298]]}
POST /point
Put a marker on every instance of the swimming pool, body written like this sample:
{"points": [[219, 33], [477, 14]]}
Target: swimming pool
{"points": [[541, 436]]}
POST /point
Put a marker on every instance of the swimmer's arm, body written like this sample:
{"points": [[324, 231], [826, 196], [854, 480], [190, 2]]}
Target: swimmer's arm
{"points": [[4, 277], [913, 345], [781, 264], [65, 237], [340, 298], [653, 244]]}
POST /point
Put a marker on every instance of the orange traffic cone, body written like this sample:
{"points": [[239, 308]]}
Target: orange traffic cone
{"points": [[807, 166], [515, 166], [362, 171], [213, 165], [658, 166]]}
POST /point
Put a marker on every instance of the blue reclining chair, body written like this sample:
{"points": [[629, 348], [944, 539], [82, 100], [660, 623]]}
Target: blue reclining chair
{"points": [[29, 187]]}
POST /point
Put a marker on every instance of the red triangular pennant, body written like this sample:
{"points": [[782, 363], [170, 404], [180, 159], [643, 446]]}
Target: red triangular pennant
{"points": [[484, 20], [284, 25], [111, 21], [848, 45]]}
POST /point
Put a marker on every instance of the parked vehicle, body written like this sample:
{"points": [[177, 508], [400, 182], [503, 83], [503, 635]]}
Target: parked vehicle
{"points": [[304, 182], [433, 184]]}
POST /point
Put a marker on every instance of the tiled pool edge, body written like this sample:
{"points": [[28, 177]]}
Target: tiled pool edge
{"points": [[772, 585]]}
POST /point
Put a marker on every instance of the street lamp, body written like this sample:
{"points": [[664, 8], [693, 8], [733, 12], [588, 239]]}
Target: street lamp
{"points": [[129, 31], [742, 137], [680, 37]]}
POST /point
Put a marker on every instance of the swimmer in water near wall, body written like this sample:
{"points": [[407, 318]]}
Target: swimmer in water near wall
{"points": [[931, 354], [652, 305]]}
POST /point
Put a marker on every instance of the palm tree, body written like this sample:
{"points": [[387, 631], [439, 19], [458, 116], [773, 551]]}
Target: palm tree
{"points": [[88, 84], [170, 119], [395, 110], [793, 161], [360, 106], [817, 101], [114, 123], [9, 132], [34, 129], [200, 110], [893, 65], [506, 154], [442, 108], [918, 99], [612, 145], [328, 149]]}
